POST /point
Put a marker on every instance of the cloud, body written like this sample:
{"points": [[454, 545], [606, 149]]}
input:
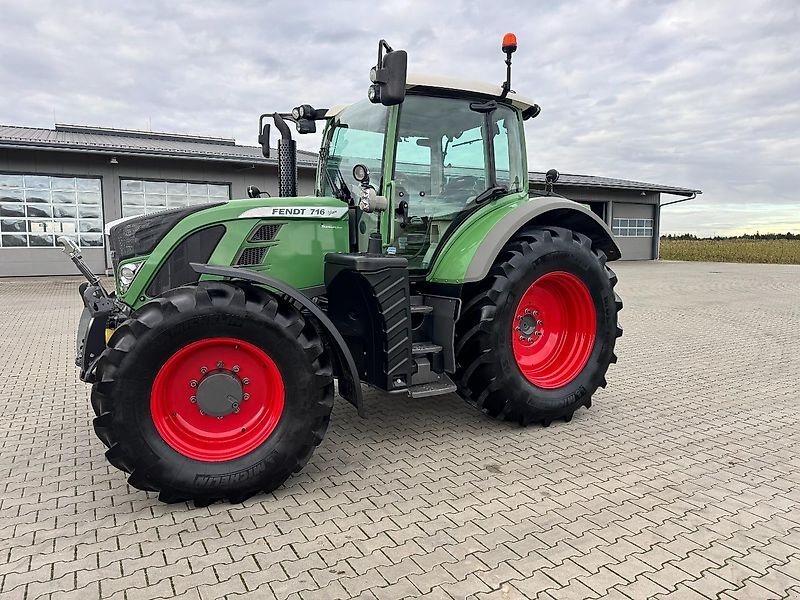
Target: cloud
{"points": [[703, 95]]}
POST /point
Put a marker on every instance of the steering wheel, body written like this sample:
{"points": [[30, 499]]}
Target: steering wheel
{"points": [[461, 184]]}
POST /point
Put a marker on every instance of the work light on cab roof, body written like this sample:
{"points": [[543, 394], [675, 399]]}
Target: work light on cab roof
{"points": [[422, 264]]}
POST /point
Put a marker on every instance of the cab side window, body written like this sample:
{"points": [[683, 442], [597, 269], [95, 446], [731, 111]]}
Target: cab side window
{"points": [[508, 161]]}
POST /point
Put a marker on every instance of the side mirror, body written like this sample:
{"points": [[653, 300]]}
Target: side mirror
{"points": [[263, 135], [388, 76]]}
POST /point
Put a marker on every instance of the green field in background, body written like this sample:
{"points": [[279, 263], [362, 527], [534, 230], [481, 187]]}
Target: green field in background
{"points": [[732, 250]]}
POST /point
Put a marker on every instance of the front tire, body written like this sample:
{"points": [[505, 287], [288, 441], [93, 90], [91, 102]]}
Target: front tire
{"points": [[215, 391], [537, 335]]}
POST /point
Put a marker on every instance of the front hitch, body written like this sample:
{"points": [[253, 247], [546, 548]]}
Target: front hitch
{"points": [[95, 296]]}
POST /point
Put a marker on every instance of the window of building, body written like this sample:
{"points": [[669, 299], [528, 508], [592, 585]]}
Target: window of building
{"points": [[35, 210], [632, 227], [143, 196]]}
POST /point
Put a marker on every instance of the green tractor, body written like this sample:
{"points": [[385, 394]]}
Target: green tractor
{"points": [[422, 266]]}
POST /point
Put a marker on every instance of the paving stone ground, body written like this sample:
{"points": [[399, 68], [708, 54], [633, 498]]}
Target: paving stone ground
{"points": [[682, 481]]}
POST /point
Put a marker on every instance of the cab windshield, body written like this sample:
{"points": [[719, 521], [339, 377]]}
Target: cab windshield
{"points": [[356, 136]]}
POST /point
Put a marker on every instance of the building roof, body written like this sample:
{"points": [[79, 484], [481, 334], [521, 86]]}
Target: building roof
{"points": [[591, 181], [99, 140], [120, 142]]}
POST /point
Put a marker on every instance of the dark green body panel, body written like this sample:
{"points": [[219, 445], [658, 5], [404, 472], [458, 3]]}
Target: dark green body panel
{"points": [[296, 255]]}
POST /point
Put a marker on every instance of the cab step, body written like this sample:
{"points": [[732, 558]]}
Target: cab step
{"points": [[418, 348], [435, 388], [421, 309]]}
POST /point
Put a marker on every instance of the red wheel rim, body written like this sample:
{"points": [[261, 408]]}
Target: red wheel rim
{"points": [[554, 330], [253, 415]]}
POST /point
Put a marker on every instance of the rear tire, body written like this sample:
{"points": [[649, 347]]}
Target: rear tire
{"points": [[177, 432], [537, 335]]}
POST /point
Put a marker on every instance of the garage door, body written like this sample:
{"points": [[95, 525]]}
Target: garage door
{"points": [[35, 210], [633, 227]]}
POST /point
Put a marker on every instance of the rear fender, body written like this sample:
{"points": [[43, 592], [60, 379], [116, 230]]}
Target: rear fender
{"points": [[344, 365], [471, 253]]}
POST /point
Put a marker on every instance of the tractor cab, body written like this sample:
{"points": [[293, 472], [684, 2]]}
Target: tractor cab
{"points": [[450, 147]]}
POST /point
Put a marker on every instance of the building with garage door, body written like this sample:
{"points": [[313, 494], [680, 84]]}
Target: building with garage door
{"points": [[631, 208], [71, 180]]}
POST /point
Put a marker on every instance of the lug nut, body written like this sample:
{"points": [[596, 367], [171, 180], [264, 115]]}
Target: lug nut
{"points": [[536, 313], [519, 317], [522, 338], [540, 322], [202, 412], [538, 333], [235, 406], [517, 329], [245, 396], [236, 410], [204, 370], [527, 311], [235, 368], [245, 381], [219, 418], [193, 399], [193, 383], [219, 364], [528, 340]]}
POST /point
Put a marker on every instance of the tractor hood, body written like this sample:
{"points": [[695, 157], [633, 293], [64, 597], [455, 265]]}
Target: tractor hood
{"points": [[286, 238]]}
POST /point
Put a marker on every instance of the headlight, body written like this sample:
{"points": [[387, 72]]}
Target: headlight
{"points": [[127, 273], [374, 94]]}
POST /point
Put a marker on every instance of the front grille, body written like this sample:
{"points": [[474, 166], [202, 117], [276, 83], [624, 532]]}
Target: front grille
{"points": [[265, 233], [252, 256], [176, 270]]}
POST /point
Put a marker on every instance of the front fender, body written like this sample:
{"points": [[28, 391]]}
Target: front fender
{"points": [[470, 253], [349, 383]]}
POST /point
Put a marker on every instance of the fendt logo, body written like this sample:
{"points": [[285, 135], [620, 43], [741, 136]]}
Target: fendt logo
{"points": [[297, 212]]}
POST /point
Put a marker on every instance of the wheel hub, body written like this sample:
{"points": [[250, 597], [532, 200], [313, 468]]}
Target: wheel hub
{"points": [[529, 325], [219, 393]]}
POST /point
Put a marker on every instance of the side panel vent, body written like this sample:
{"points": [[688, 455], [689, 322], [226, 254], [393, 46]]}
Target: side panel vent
{"points": [[265, 233], [252, 256]]}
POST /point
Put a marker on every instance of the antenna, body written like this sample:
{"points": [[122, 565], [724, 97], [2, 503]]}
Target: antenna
{"points": [[509, 47]]}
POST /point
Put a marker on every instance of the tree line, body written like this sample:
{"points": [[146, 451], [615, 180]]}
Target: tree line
{"points": [[747, 236]]}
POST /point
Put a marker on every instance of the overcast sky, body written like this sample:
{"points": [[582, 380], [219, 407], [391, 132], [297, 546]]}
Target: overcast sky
{"points": [[702, 94]]}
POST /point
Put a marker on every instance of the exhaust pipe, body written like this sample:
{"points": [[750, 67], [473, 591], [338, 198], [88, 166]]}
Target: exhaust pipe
{"points": [[287, 159]]}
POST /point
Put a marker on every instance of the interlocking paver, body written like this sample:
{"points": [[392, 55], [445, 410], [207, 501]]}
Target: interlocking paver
{"points": [[680, 482]]}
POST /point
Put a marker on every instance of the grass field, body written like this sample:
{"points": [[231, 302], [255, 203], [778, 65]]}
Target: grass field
{"points": [[785, 252]]}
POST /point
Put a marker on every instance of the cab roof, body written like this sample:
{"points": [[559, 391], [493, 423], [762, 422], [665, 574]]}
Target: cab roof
{"points": [[415, 80]]}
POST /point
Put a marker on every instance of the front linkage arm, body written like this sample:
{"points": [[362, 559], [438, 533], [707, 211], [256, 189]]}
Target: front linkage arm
{"points": [[99, 305]]}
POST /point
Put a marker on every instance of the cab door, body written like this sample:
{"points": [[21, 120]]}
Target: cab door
{"points": [[443, 156]]}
